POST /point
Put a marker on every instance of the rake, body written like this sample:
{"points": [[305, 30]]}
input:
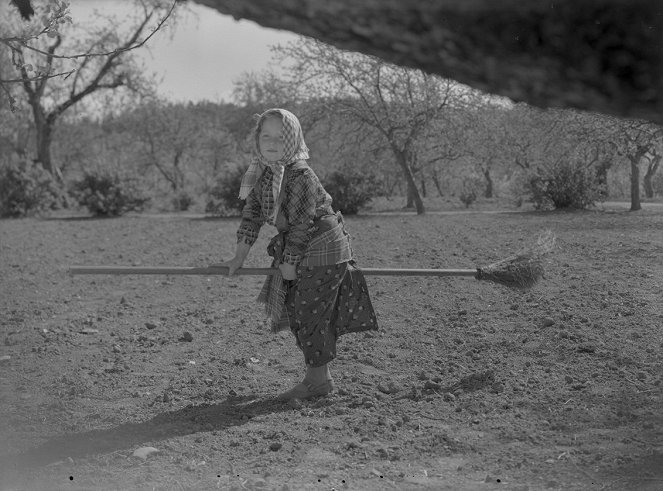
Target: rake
{"points": [[521, 270]]}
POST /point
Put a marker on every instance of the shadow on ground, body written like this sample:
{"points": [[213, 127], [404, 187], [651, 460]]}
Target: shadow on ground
{"points": [[645, 474], [186, 421]]}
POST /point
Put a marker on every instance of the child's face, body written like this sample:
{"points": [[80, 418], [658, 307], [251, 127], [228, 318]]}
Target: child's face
{"points": [[270, 139]]}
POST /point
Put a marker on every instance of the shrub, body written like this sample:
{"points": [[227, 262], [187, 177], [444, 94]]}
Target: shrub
{"points": [[222, 198], [27, 188], [565, 185], [350, 191], [106, 194], [182, 201], [468, 194], [467, 197]]}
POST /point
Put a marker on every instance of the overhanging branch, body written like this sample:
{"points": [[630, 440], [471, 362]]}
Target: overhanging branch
{"points": [[597, 55]]}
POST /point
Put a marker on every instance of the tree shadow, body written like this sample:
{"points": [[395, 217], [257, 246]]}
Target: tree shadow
{"points": [[189, 420]]}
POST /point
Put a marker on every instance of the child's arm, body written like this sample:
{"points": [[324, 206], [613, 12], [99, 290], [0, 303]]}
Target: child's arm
{"points": [[248, 231], [236, 262]]}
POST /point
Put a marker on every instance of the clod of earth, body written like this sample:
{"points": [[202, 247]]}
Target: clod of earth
{"points": [[144, 452]]}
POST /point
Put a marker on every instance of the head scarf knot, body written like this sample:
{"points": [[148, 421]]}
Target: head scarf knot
{"points": [[294, 149]]}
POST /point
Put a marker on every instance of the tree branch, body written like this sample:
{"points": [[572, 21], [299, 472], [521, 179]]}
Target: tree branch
{"points": [[41, 84], [126, 47], [95, 84]]}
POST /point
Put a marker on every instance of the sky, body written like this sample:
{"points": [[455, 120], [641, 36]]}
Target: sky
{"points": [[204, 53]]}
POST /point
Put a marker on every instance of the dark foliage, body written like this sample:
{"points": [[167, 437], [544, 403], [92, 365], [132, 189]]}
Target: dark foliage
{"points": [[106, 194], [350, 191], [27, 188], [182, 201], [223, 197], [566, 185]]}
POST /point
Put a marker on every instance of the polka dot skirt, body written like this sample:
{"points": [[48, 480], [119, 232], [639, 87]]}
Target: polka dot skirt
{"points": [[324, 303]]}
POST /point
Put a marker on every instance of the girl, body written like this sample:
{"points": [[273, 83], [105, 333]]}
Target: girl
{"points": [[317, 292]]}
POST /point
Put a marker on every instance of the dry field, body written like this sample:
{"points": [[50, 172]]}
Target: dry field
{"points": [[467, 385]]}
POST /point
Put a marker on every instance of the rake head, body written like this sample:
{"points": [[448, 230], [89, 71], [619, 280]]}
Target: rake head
{"points": [[523, 269]]}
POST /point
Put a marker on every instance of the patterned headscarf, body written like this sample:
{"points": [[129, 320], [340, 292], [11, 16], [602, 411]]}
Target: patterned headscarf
{"points": [[294, 149]]}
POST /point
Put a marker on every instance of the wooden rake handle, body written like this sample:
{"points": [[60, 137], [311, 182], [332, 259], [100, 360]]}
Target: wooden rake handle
{"points": [[180, 270]]}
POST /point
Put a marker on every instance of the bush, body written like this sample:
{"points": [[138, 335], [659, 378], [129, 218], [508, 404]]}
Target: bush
{"points": [[182, 202], [27, 188], [467, 197], [350, 191], [468, 194], [106, 194], [222, 198], [565, 185]]}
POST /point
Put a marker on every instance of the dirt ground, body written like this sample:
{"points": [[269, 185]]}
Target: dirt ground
{"points": [[468, 385]]}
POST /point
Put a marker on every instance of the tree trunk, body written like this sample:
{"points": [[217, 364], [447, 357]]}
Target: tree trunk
{"points": [[649, 175], [44, 136], [44, 147], [413, 192], [489, 184], [438, 186], [178, 175], [635, 185]]}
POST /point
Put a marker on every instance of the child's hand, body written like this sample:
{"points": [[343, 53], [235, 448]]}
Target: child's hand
{"points": [[233, 265], [288, 271]]}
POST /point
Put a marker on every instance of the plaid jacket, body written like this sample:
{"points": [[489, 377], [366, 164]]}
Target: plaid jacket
{"points": [[304, 200]]}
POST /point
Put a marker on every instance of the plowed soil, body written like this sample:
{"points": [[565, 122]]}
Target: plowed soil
{"points": [[467, 385]]}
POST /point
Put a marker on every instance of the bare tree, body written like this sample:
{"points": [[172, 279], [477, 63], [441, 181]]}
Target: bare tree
{"points": [[164, 135], [262, 89], [484, 131], [399, 103], [635, 139], [39, 53]]}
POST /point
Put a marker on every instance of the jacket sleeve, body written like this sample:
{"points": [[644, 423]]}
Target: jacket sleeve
{"points": [[252, 218]]}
